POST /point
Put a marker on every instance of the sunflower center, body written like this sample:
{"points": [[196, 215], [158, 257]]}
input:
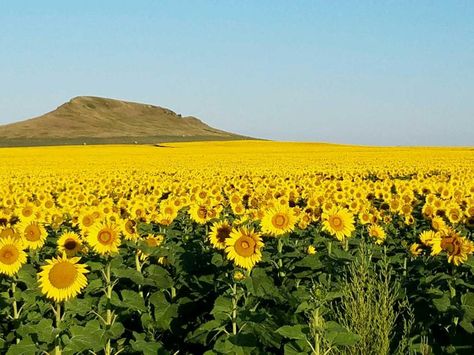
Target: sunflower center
{"points": [[130, 227], [70, 244], [245, 246], [202, 212], [451, 245], [336, 223], [8, 254], [62, 275], [223, 233], [279, 221], [105, 237], [32, 233], [151, 242], [87, 221], [169, 210]]}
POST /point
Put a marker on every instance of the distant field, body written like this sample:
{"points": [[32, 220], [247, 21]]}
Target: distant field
{"points": [[236, 247], [38, 142]]}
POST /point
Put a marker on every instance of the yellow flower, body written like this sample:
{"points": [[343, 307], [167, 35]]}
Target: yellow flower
{"points": [[415, 249], [426, 237], [377, 232], [311, 250], [243, 247], [129, 229], [104, 238], [220, 231], [12, 256], [456, 247], [239, 276], [338, 222], [62, 278], [33, 234], [69, 243], [278, 220]]}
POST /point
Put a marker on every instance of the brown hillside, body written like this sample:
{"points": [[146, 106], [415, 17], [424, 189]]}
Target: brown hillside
{"points": [[102, 120]]}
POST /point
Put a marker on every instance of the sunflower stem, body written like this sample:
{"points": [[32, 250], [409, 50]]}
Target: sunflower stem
{"points": [[280, 261], [109, 287], [57, 313], [16, 314], [138, 266], [234, 309]]}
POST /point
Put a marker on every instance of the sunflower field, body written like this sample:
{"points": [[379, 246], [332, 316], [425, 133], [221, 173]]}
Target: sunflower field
{"points": [[236, 248]]}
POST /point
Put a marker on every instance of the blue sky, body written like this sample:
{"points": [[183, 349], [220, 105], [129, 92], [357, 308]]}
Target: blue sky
{"points": [[362, 72]]}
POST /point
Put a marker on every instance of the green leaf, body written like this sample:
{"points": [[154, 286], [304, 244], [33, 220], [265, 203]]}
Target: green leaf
{"points": [[43, 331], [222, 307], [159, 276], [310, 261], [164, 311], [298, 331], [133, 300], [146, 347], [90, 337], [26, 346], [467, 305], [442, 303], [297, 347], [261, 285], [200, 334], [337, 335], [27, 276], [133, 275], [78, 306]]}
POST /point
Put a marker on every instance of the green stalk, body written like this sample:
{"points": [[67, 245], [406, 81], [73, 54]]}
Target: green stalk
{"points": [[108, 294], [57, 349], [15, 306], [16, 314], [234, 309], [280, 261], [138, 266]]}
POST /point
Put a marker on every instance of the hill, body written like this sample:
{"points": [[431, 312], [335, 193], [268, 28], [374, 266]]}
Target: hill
{"points": [[97, 120]]}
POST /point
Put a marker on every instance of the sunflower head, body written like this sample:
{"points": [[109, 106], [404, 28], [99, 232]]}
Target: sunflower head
{"points": [[104, 238], [220, 231], [338, 222], [278, 220], [33, 234], [243, 247], [12, 256], [62, 278], [69, 243]]}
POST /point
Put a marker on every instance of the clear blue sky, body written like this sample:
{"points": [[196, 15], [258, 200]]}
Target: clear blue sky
{"points": [[364, 72]]}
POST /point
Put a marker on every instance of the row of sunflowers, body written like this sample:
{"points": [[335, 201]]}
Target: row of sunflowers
{"points": [[224, 259]]}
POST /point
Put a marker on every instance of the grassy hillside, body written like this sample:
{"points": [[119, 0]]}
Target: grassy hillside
{"points": [[95, 120]]}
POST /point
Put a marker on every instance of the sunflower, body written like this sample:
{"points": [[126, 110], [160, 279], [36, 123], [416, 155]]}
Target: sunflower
{"points": [[200, 213], [426, 237], [456, 247], [12, 256], [151, 241], [69, 243], [338, 222], [243, 247], [104, 238], [33, 234], [438, 223], [377, 232], [311, 250], [62, 278], [220, 231], [129, 229], [278, 220], [415, 249]]}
